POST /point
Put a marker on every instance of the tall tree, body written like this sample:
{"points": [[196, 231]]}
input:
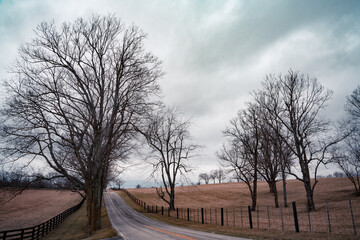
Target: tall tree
{"points": [[299, 102], [168, 137], [347, 155], [242, 155], [77, 92]]}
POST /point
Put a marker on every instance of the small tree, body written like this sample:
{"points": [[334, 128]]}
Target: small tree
{"points": [[205, 177], [218, 174], [169, 140]]}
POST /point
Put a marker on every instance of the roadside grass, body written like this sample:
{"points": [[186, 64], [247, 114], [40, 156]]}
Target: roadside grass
{"points": [[75, 227], [239, 232]]}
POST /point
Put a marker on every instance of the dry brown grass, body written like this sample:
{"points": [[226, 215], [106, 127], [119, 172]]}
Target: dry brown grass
{"points": [[33, 207], [234, 198], [240, 232], [75, 227]]}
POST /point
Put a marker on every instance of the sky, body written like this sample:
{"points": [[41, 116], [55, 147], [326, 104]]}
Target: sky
{"points": [[215, 52]]}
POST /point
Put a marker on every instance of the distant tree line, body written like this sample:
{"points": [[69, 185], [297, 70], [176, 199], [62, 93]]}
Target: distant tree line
{"points": [[20, 179], [214, 175]]}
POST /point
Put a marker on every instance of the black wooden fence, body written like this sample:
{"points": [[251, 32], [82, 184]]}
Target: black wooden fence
{"points": [[40, 230], [335, 217]]}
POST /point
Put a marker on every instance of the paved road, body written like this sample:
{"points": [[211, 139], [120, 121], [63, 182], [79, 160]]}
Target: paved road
{"points": [[132, 225]]}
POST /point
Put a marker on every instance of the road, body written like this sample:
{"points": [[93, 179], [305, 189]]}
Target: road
{"points": [[132, 225]]}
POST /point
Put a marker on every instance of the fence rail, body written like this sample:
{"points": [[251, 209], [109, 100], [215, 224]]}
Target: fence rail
{"points": [[40, 230], [333, 217]]}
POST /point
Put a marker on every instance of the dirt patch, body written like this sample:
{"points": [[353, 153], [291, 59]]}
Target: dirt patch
{"points": [[33, 207]]}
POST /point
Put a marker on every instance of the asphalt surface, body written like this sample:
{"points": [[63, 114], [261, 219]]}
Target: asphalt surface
{"points": [[130, 224]]}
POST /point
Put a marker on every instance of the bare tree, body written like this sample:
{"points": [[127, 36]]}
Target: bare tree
{"points": [[269, 161], [169, 140], [299, 100], [205, 176], [276, 154], [243, 154], [353, 104], [347, 155], [119, 182], [218, 174], [77, 93], [213, 176]]}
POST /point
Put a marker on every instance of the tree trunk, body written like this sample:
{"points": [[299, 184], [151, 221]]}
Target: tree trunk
{"points": [[254, 194], [271, 186], [309, 195], [284, 188], [276, 199], [94, 200]]}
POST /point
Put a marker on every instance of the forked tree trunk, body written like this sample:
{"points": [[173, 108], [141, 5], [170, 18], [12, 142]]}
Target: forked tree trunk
{"points": [[94, 200], [309, 195]]}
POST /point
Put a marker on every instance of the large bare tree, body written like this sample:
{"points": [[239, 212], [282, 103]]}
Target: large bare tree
{"points": [[77, 92], [243, 150], [296, 101], [347, 155], [168, 137]]}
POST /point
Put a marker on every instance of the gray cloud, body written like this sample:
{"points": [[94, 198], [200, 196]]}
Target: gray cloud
{"points": [[216, 52]]}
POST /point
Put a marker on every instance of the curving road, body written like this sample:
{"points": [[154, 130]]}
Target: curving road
{"points": [[132, 225]]}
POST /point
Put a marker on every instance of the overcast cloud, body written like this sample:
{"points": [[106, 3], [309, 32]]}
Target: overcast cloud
{"points": [[215, 53]]}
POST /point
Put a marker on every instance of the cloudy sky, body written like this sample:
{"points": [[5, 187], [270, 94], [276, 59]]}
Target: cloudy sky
{"points": [[215, 53]]}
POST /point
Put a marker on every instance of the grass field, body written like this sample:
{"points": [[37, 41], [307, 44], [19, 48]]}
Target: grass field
{"points": [[75, 227], [33, 207], [234, 198], [239, 232]]}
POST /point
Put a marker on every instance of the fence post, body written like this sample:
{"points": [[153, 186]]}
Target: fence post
{"points": [[222, 216], [295, 217], [250, 217], [257, 216], [162, 210], [309, 220], [188, 214], [215, 217], [328, 215], [234, 216], [177, 213], [282, 220], [33, 233], [38, 232], [205, 216], [227, 217], [241, 216], [352, 217], [268, 215], [210, 217], [202, 215]]}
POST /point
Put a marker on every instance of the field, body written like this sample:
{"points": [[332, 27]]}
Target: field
{"points": [[230, 195], [35, 206], [234, 199]]}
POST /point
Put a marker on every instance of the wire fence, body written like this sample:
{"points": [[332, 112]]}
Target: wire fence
{"points": [[335, 217]]}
